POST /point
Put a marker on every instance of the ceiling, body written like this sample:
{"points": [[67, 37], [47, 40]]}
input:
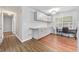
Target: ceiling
{"points": [[46, 8]]}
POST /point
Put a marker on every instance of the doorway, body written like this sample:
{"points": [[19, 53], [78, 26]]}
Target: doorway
{"points": [[9, 24]]}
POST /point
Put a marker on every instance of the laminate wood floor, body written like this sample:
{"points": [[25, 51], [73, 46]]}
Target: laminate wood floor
{"points": [[60, 43], [49, 43]]}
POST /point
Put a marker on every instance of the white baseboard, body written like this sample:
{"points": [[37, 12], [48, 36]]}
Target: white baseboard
{"points": [[26, 39], [18, 37], [22, 40]]}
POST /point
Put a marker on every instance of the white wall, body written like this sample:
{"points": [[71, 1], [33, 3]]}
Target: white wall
{"points": [[27, 17], [38, 23], [7, 21]]}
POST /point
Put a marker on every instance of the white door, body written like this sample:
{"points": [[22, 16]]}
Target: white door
{"points": [[1, 27]]}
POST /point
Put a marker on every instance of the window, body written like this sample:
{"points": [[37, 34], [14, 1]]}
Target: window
{"points": [[65, 21]]}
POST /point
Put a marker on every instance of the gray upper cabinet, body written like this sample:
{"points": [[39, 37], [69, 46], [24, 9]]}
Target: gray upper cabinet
{"points": [[40, 16]]}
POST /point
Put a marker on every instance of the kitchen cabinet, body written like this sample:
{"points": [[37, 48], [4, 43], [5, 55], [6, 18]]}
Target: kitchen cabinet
{"points": [[38, 33]]}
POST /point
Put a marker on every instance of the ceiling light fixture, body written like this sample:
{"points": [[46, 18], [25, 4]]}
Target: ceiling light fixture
{"points": [[54, 10]]}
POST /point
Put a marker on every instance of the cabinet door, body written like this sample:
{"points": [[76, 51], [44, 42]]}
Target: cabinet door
{"points": [[1, 28], [35, 33]]}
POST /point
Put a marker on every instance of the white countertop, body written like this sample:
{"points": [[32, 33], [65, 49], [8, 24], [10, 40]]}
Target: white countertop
{"points": [[39, 27]]}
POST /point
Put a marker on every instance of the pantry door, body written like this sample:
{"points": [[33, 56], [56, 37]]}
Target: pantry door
{"points": [[1, 27]]}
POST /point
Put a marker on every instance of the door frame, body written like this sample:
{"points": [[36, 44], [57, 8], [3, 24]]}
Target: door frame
{"points": [[13, 21]]}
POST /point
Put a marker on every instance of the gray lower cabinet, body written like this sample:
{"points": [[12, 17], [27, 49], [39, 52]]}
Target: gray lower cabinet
{"points": [[38, 33], [35, 33]]}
